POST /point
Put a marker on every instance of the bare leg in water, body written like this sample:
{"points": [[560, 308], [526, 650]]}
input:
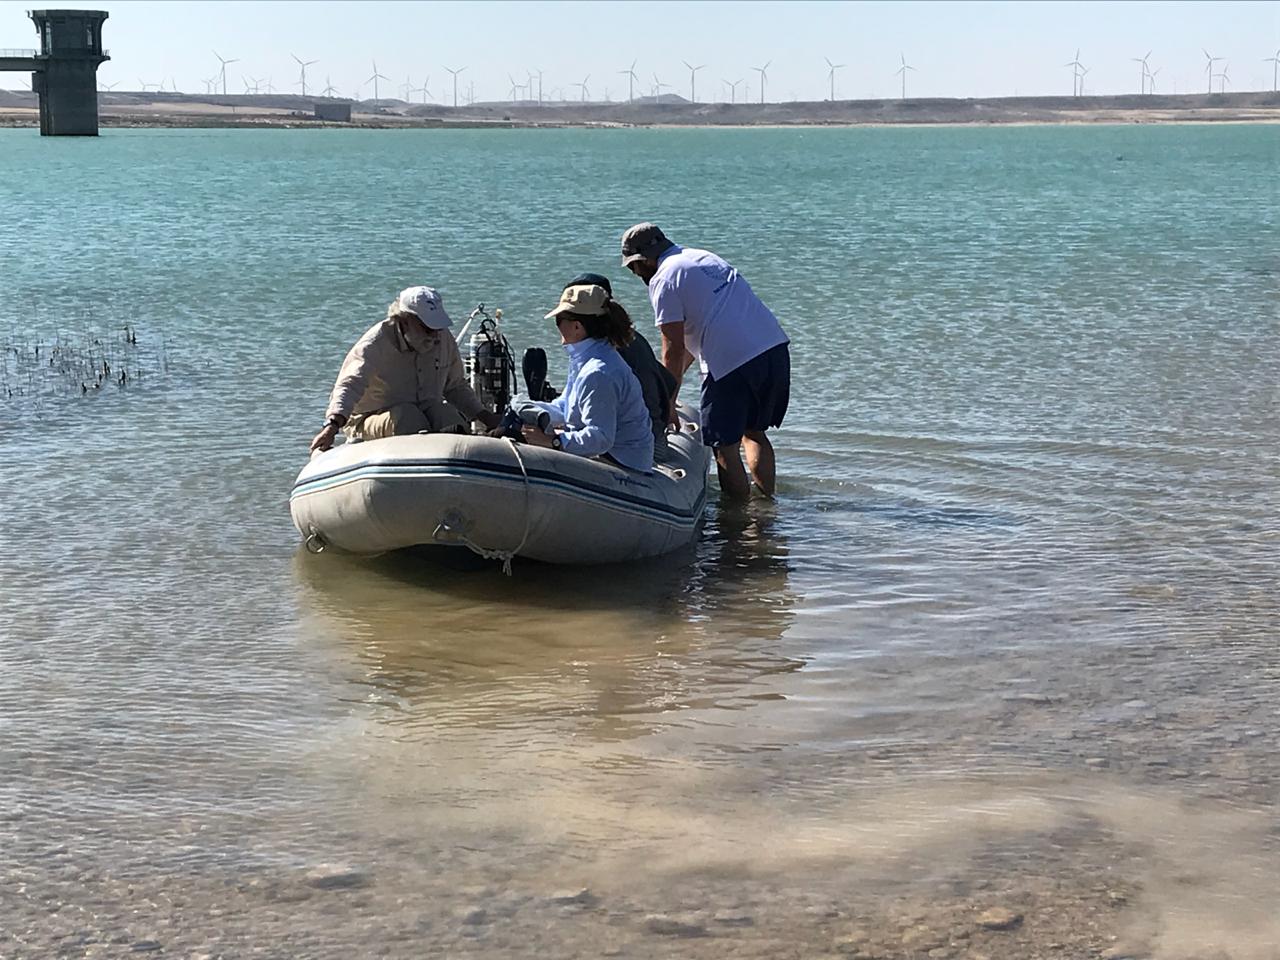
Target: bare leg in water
{"points": [[733, 476], [760, 461]]}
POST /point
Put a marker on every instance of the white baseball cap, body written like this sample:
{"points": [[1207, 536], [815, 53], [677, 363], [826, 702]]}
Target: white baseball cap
{"points": [[425, 304]]}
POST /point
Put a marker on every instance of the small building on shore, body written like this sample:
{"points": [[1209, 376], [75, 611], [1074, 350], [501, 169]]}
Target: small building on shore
{"points": [[334, 112]]}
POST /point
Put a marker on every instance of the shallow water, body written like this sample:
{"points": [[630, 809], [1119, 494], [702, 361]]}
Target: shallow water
{"points": [[1005, 640]]}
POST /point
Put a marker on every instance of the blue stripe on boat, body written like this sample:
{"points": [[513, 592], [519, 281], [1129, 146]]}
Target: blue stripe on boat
{"points": [[407, 470]]}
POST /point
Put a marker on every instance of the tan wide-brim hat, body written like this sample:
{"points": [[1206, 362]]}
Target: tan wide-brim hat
{"points": [[587, 299]]}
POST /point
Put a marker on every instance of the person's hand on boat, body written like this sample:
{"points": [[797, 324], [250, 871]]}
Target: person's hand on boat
{"points": [[673, 417], [490, 419], [536, 437], [324, 439]]}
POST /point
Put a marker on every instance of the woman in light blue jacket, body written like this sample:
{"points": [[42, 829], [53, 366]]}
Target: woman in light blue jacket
{"points": [[601, 412]]}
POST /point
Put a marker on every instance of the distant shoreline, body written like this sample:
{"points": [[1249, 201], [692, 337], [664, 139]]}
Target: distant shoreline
{"points": [[12, 121], [177, 110]]}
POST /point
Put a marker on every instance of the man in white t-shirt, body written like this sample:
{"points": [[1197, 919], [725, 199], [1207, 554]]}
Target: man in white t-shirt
{"points": [[708, 312]]}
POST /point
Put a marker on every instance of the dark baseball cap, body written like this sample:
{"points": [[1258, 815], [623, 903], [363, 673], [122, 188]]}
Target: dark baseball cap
{"points": [[591, 279], [644, 241]]}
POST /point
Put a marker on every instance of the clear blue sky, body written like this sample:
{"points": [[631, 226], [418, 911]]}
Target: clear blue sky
{"points": [[958, 49]]}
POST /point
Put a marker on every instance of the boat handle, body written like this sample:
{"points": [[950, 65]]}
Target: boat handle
{"points": [[314, 542]]}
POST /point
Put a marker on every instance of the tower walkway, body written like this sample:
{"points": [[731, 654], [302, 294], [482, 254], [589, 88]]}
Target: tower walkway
{"points": [[17, 61]]}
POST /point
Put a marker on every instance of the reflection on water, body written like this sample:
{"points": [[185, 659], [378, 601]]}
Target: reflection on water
{"points": [[618, 647], [665, 729]]}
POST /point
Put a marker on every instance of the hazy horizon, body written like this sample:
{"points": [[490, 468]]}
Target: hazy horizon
{"points": [[956, 49]]}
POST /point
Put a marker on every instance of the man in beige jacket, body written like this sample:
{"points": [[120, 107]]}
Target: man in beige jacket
{"points": [[403, 376]]}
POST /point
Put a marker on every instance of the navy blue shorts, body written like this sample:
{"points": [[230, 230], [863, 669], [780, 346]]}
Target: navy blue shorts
{"points": [[752, 397]]}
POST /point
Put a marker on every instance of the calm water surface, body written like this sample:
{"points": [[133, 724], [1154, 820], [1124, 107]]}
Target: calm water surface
{"points": [[1007, 637]]}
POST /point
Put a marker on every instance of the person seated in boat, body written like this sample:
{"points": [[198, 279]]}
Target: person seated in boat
{"points": [[656, 382], [403, 376], [601, 412]]}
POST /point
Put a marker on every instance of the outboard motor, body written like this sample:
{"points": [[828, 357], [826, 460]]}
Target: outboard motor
{"points": [[534, 366], [491, 370]]}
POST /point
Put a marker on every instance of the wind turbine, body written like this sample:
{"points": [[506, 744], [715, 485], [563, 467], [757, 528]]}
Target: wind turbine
{"points": [[658, 85], [1084, 72], [329, 88], [1275, 66], [222, 74], [111, 86], [1222, 86], [831, 75], [406, 88], [903, 71], [375, 78], [455, 82], [1076, 66], [764, 75], [1208, 67], [304, 64], [271, 87], [539, 86], [515, 88], [583, 85], [1151, 79], [248, 87], [693, 96], [630, 73], [425, 89], [1142, 77]]}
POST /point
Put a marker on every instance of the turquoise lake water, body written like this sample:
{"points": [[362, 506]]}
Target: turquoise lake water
{"points": [[1010, 626]]}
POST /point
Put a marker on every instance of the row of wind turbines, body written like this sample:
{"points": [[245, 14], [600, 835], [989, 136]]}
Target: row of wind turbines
{"points": [[729, 86], [1147, 76], [525, 92], [1146, 80], [252, 86], [519, 92]]}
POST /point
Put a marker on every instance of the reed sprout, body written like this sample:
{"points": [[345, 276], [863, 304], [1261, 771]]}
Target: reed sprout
{"points": [[38, 368]]}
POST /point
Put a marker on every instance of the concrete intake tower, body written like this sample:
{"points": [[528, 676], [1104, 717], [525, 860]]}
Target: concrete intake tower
{"points": [[64, 74]]}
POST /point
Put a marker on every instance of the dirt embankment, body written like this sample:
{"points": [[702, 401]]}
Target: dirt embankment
{"points": [[186, 110]]}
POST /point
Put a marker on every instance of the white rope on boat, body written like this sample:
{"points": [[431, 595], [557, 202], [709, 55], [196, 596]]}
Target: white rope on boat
{"points": [[506, 556]]}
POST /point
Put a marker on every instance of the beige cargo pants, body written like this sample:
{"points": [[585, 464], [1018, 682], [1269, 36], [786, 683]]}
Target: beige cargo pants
{"points": [[435, 416]]}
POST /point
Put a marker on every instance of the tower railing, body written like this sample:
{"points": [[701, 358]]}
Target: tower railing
{"points": [[18, 53]]}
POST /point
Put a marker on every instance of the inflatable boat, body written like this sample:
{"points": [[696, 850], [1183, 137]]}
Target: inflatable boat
{"points": [[501, 499]]}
